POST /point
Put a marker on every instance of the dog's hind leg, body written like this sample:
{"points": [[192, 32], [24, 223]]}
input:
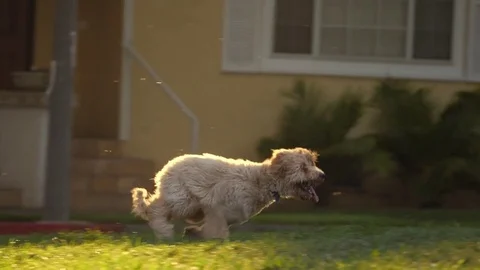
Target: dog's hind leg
{"points": [[160, 220], [215, 226], [193, 232]]}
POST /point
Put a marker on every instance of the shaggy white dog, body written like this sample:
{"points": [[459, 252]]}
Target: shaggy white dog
{"points": [[217, 192]]}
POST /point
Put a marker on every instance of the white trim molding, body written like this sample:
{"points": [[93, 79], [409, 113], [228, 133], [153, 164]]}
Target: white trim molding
{"points": [[473, 55], [266, 62]]}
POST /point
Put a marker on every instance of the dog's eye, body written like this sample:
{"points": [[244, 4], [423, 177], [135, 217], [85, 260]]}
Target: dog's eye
{"points": [[305, 167]]}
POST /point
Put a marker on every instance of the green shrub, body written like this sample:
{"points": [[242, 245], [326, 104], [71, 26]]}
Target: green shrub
{"points": [[434, 154], [431, 154], [308, 121]]}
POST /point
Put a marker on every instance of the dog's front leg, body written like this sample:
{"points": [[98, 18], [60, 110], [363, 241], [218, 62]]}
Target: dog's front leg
{"points": [[162, 228], [215, 226]]}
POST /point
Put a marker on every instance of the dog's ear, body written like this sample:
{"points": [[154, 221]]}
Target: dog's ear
{"points": [[314, 156], [278, 156], [278, 162]]}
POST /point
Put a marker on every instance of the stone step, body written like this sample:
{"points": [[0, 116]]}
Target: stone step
{"points": [[95, 148], [106, 193], [123, 167], [101, 177], [104, 185], [29, 99], [91, 203], [30, 79], [11, 198]]}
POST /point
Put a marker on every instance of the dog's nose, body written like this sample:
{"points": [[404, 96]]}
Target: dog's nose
{"points": [[322, 177]]}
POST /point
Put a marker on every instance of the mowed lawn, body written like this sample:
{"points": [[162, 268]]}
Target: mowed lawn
{"points": [[324, 240]]}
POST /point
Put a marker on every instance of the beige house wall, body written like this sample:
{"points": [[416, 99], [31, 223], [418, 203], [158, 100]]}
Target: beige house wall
{"points": [[182, 40]]}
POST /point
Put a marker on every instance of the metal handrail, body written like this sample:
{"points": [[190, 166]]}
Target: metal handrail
{"points": [[166, 88], [129, 52]]}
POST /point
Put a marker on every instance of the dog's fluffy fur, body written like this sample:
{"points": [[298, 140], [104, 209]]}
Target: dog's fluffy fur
{"points": [[215, 192]]}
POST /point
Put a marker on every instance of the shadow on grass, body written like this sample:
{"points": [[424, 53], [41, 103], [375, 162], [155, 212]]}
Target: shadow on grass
{"points": [[378, 218], [314, 218]]}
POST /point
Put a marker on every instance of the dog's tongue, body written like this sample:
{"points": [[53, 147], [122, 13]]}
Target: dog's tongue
{"points": [[313, 194]]}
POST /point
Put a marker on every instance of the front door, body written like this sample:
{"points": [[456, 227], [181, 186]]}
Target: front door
{"points": [[15, 35]]}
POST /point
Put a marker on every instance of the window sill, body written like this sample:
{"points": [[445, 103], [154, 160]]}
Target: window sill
{"points": [[356, 69]]}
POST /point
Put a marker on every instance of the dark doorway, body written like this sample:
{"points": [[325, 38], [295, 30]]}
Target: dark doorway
{"points": [[16, 28]]}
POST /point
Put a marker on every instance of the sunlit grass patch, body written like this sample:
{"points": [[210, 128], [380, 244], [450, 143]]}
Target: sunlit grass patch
{"points": [[330, 247], [96, 251]]}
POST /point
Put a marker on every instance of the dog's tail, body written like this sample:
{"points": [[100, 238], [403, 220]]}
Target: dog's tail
{"points": [[140, 202]]}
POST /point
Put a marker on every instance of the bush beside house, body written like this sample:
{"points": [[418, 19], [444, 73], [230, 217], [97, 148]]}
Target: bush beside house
{"points": [[414, 154]]}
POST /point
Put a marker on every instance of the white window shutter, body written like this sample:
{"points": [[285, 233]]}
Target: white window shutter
{"points": [[474, 42], [242, 34]]}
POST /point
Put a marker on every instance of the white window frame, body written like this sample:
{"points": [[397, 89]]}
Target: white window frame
{"points": [[301, 64], [474, 41]]}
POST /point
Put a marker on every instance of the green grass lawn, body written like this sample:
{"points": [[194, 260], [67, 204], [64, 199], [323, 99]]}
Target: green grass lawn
{"points": [[335, 240], [320, 217], [331, 247]]}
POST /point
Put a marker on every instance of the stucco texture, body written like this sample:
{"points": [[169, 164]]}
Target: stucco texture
{"points": [[182, 40]]}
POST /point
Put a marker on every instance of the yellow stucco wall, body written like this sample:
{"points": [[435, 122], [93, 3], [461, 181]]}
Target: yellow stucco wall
{"points": [[182, 40]]}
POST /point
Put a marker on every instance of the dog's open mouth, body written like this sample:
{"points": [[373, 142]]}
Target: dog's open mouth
{"points": [[307, 190]]}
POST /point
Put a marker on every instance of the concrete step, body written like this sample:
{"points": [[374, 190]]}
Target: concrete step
{"points": [[30, 79], [123, 167], [101, 177], [11, 198], [107, 185], [106, 193], [104, 184], [95, 203], [96, 148], [30, 99]]}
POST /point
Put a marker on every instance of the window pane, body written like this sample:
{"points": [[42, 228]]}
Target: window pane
{"points": [[363, 13], [433, 29], [364, 28], [393, 13], [334, 12], [391, 43], [362, 42], [333, 41], [293, 26]]}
